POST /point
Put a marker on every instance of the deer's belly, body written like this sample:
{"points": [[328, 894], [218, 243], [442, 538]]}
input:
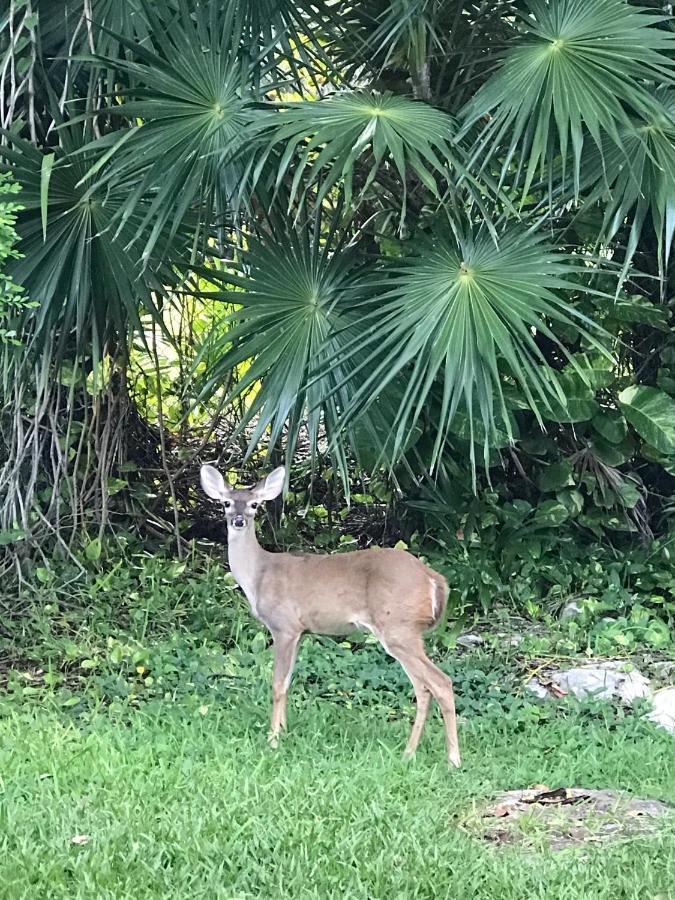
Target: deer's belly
{"points": [[331, 619]]}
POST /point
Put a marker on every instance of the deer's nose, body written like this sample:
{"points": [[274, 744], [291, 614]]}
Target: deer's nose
{"points": [[238, 521]]}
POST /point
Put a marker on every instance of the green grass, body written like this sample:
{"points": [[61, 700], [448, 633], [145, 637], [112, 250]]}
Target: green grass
{"points": [[135, 709], [183, 803]]}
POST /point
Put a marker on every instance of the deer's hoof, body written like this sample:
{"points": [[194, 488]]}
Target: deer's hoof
{"points": [[273, 741]]}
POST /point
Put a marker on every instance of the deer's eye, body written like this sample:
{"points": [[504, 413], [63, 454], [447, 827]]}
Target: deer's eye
{"points": [[254, 505], [227, 504]]}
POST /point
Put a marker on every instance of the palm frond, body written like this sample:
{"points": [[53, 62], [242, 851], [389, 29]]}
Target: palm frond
{"points": [[331, 135], [637, 181], [466, 313], [294, 293], [189, 97], [579, 70], [87, 285]]}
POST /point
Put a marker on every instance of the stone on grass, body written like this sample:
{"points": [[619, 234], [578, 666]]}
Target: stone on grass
{"points": [[537, 688], [603, 680], [663, 713], [571, 611], [470, 640]]}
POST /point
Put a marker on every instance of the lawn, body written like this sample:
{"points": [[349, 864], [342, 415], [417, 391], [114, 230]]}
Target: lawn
{"points": [[173, 800]]}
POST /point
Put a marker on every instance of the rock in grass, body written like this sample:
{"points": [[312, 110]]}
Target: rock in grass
{"points": [[604, 680], [571, 611], [470, 640], [663, 713]]}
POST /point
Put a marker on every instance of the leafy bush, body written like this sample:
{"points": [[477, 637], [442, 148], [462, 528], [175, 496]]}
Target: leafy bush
{"points": [[396, 258], [12, 298]]}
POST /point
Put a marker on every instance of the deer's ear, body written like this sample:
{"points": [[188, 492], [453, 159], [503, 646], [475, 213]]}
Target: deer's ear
{"points": [[213, 483], [272, 486]]}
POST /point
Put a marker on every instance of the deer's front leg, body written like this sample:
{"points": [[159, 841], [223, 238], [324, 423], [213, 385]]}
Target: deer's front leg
{"points": [[285, 651]]}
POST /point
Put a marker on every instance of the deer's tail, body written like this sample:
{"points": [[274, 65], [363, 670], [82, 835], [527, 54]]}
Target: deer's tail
{"points": [[439, 597]]}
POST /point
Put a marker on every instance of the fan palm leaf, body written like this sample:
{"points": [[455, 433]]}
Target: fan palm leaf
{"points": [[85, 282], [465, 313], [580, 69], [380, 130], [294, 294], [637, 181], [190, 97]]}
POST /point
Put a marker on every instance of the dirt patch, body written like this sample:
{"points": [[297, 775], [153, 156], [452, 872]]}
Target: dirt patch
{"points": [[560, 818]]}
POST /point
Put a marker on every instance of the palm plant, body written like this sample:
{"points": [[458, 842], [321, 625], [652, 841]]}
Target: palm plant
{"points": [[392, 199]]}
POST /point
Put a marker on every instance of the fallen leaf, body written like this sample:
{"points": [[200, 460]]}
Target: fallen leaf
{"points": [[501, 810], [554, 795], [79, 839]]}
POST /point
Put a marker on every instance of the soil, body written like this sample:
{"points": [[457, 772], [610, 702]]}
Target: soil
{"points": [[565, 818]]}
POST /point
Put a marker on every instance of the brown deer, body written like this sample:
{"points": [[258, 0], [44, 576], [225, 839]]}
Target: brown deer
{"points": [[385, 591]]}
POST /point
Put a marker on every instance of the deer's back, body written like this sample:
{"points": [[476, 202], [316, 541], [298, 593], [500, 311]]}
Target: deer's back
{"points": [[332, 594]]}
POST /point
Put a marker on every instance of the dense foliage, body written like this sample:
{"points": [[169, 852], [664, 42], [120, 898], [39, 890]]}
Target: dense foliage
{"points": [[422, 246]]}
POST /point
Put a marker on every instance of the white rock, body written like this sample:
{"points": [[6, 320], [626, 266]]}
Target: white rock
{"points": [[470, 640], [605, 681], [663, 713], [571, 611], [536, 688]]}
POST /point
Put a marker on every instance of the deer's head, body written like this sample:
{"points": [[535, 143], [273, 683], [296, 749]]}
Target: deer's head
{"points": [[241, 504]]}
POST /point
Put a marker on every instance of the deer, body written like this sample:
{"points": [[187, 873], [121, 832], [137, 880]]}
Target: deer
{"points": [[385, 591]]}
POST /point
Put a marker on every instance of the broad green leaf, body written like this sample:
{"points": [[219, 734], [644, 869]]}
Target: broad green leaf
{"points": [[639, 310], [612, 454], [579, 404], [572, 500], [550, 514], [12, 536], [651, 412], [611, 424], [557, 476], [115, 485], [596, 369], [666, 381], [664, 460], [92, 550], [658, 634], [628, 494]]}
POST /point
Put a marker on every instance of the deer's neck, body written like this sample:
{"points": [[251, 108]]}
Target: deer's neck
{"points": [[246, 558]]}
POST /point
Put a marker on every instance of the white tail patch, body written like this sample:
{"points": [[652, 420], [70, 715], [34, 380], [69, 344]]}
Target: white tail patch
{"points": [[436, 599]]}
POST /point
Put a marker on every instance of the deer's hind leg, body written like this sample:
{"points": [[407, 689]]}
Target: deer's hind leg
{"points": [[410, 652], [415, 672], [440, 686]]}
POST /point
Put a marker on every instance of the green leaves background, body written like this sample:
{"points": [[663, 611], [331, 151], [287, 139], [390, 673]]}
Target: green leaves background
{"points": [[410, 239]]}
